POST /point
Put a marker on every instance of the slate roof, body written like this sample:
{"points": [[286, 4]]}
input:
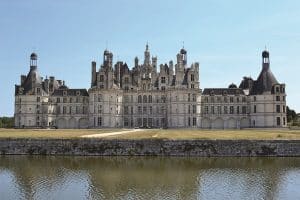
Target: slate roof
{"points": [[223, 91], [70, 92]]}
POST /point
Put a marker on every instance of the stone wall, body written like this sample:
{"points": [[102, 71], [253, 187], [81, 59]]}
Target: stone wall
{"points": [[155, 147]]}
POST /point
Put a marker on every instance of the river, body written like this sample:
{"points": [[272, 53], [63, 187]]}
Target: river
{"points": [[60, 177]]}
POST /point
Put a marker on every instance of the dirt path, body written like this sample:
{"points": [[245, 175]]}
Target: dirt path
{"points": [[110, 134]]}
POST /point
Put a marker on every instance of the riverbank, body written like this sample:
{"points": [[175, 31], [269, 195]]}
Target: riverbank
{"points": [[149, 147]]}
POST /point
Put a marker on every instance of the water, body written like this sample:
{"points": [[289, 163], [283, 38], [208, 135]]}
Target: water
{"points": [[54, 177]]}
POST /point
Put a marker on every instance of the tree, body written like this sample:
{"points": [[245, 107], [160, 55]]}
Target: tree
{"points": [[291, 115], [6, 122]]}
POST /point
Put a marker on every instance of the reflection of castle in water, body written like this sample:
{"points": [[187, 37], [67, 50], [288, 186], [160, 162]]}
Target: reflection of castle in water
{"points": [[147, 177]]}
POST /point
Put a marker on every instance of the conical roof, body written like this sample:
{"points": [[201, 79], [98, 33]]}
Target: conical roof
{"points": [[265, 81]]}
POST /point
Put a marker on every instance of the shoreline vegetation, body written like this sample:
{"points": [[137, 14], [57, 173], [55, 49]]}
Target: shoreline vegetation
{"points": [[168, 134]]}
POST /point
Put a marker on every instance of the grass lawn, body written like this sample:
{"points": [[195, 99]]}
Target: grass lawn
{"points": [[52, 133], [176, 134]]}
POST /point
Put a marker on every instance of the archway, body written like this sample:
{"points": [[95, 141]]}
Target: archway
{"points": [[218, 124], [83, 123], [205, 123], [245, 123], [61, 123], [72, 123], [231, 123]]}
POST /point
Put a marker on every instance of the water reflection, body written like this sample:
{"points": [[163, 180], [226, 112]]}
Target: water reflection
{"points": [[51, 177]]}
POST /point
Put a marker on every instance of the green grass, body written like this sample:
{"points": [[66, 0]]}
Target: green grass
{"points": [[176, 134], [52, 133]]}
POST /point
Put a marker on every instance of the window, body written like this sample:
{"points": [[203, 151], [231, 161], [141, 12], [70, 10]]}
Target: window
{"points": [[189, 97], [150, 99], [244, 99], [278, 121], [144, 109], [99, 109], [144, 99], [150, 110], [206, 99], [283, 98], [192, 86], [218, 99], [231, 99], [237, 99], [254, 109], [101, 78], [194, 109], [244, 109], [277, 89], [64, 110], [225, 110], [126, 110], [212, 110], [126, 121], [237, 110], [278, 108], [140, 110], [231, 109], [225, 99], [163, 79], [219, 110], [189, 121], [150, 122], [99, 121], [277, 98], [192, 77], [139, 99], [284, 121], [163, 88], [38, 90], [65, 100], [206, 110], [58, 100], [194, 97], [194, 121], [254, 98], [283, 109], [38, 99]]}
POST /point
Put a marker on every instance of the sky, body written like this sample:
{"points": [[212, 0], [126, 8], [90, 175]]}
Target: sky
{"points": [[225, 37]]}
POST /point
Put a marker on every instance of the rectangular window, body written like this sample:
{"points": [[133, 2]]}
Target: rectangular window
{"points": [[219, 110], [64, 110], [238, 110], [278, 108], [189, 121], [277, 98], [99, 121], [194, 109], [140, 110], [163, 79], [244, 109], [206, 110], [231, 109], [150, 110], [192, 77], [283, 109], [58, 100], [278, 121], [231, 99], [144, 109], [254, 109], [225, 99], [194, 121], [38, 99], [126, 110], [126, 122], [212, 111], [225, 110]]}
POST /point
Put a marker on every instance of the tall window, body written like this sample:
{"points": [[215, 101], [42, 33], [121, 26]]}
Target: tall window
{"points": [[219, 110], [277, 98], [99, 121], [139, 99], [231, 109], [278, 108], [206, 110], [278, 121], [254, 109], [225, 110], [194, 109], [163, 79], [212, 111], [192, 77], [101, 78], [144, 99], [194, 121], [150, 99]]}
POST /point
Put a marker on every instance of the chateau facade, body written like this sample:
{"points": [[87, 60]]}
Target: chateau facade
{"points": [[145, 97]]}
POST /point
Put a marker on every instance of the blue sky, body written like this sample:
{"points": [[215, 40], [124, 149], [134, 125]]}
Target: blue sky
{"points": [[226, 37]]}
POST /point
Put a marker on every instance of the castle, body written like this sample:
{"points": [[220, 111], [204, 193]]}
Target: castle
{"points": [[145, 97]]}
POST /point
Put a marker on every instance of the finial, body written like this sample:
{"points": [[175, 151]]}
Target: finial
{"points": [[266, 47], [183, 44], [147, 46], [106, 45]]}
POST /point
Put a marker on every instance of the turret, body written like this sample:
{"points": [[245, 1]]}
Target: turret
{"points": [[33, 61], [136, 62], [107, 59], [265, 59], [147, 55]]}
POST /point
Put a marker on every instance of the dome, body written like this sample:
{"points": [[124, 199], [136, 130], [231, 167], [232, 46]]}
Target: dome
{"points": [[33, 56], [265, 54], [232, 85], [183, 51]]}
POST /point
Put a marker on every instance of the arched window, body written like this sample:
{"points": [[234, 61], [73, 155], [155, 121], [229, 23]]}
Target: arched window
{"points": [[139, 99], [150, 99], [144, 99]]}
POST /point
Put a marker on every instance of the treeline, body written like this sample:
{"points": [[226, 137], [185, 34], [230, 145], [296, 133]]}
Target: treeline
{"points": [[6, 122], [292, 117]]}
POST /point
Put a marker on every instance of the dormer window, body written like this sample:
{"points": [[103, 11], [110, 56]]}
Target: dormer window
{"points": [[65, 93], [77, 93]]}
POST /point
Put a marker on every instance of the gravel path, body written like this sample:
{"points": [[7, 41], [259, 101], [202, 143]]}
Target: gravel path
{"points": [[110, 134]]}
